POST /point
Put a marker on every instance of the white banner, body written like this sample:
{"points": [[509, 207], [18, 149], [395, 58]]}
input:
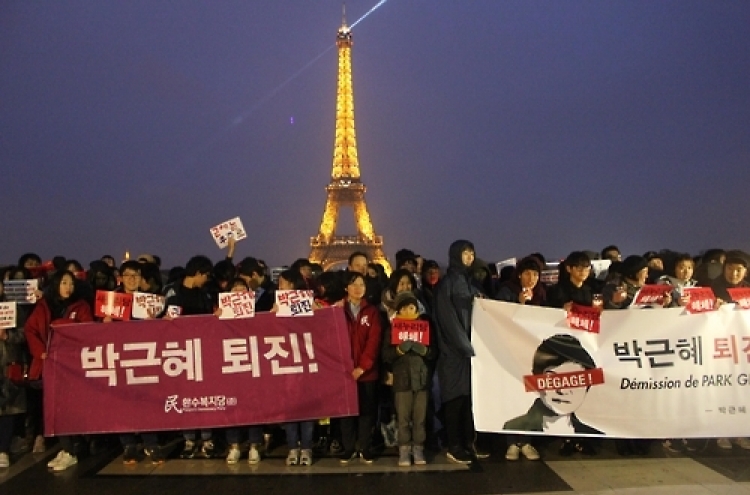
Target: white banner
{"points": [[652, 373]]}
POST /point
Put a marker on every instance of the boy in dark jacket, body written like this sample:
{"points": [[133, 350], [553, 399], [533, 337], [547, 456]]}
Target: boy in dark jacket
{"points": [[408, 358]]}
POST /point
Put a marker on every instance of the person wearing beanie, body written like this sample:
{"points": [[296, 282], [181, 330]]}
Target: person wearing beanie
{"points": [[634, 275], [408, 358]]}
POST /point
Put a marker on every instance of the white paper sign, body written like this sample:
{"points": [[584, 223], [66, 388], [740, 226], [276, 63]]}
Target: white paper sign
{"points": [[224, 230], [502, 264], [21, 291], [238, 304], [147, 305], [8, 315], [294, 303]]}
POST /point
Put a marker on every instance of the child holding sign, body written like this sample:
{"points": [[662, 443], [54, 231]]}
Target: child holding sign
{"points": [[407, 351]]}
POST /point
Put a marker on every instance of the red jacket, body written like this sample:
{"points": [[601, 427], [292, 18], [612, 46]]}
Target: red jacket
{"points": [[38, 329], [365, 333]]}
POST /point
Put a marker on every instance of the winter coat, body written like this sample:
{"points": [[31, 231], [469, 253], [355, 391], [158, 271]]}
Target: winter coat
{"points": [[411, 372], [454, 299], [39, 326], [12, 396], [564, 292], [365, 334]]}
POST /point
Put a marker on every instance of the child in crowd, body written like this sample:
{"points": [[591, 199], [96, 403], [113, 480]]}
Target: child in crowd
{"points": [[408, 358]]}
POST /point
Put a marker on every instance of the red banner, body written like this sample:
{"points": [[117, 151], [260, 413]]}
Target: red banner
{"points": [[413, 330], [584, 318], [198, 372], [559, 381]]}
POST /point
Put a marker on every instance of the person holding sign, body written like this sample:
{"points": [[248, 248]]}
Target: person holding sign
{"points": [[681, 278], [634, 275], [523, 288], [58, 306], [12, 396], [407, 351], [363, 320]]}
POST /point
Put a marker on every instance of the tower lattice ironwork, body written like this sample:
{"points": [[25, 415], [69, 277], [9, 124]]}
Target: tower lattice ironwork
{"points": [[345, 189]]}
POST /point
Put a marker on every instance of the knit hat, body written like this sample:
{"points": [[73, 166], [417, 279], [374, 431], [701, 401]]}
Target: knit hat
{"points": [[403, 299]]}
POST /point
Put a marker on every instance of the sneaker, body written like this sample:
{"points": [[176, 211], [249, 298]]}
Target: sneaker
{"points": [[293, 457], [57, 458], [305, 457], [4, 460], [529, 452], [155, 454], [39, 445], [234, 454], [418, 453], [674, 446], [479, 454], [65, 462], [130, 455], [366, 457], [253, 456], [189, 450], [724, 443], [348, 457], [459, 456], [208, 450], [513, 453], [404, 456], [744, 443]]}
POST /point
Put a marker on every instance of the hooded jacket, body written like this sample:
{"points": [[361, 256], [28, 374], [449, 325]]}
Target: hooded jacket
{"points": [[454, 299]]}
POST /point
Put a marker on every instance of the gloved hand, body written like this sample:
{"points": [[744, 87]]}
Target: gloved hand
{"points": [[405, 346], [419, 348]]}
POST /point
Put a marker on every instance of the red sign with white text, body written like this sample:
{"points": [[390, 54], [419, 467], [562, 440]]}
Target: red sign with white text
{"points": [[650, 295], [116, 305], [198, 372], [701, 299], [741, 296], [411, 330], [584, 318], [559, 381]]}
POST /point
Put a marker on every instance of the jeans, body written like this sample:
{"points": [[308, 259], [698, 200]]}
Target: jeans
{"points": [[303, 429]]}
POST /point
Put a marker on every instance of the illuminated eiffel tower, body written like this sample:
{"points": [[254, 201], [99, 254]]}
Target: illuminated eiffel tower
{"points": [[345, 189]]}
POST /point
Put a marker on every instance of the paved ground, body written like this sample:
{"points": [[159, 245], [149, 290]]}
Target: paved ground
{"points": [[709, 470]]}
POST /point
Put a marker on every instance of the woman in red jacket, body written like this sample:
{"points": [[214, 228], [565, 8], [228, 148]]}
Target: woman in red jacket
{"points": [[57, 307], [363, 321]]}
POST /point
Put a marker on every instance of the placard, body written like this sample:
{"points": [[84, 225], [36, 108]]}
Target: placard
{"points": [[21, 291], [8, 314], [700, 299], [115, 305], [584, 318], [224, 230], [651, 295], [410, 330], [294, 303], [237, 304], [147, 306]]}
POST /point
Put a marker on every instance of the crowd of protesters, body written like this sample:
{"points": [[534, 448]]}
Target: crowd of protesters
{"points": [[411, 395]]}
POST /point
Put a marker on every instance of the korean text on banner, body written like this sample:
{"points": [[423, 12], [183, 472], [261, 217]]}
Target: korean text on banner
{"points": [[648, 373], [198, 372]]}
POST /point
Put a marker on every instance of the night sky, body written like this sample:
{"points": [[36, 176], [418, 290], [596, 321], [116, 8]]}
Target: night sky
{"points": [[519, 125]]}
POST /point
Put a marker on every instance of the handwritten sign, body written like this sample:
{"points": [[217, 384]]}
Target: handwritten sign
{"points": [[294, 303], [8, 315], [650, 295], [701, 299], [410, 330], [584, 318], [741, 296], [147, 306], [21, 291], [230, 228], [238, 304], [115, 305]]}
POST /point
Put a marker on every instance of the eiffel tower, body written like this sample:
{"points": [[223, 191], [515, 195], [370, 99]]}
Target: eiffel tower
{"points": [[345, 189]]}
